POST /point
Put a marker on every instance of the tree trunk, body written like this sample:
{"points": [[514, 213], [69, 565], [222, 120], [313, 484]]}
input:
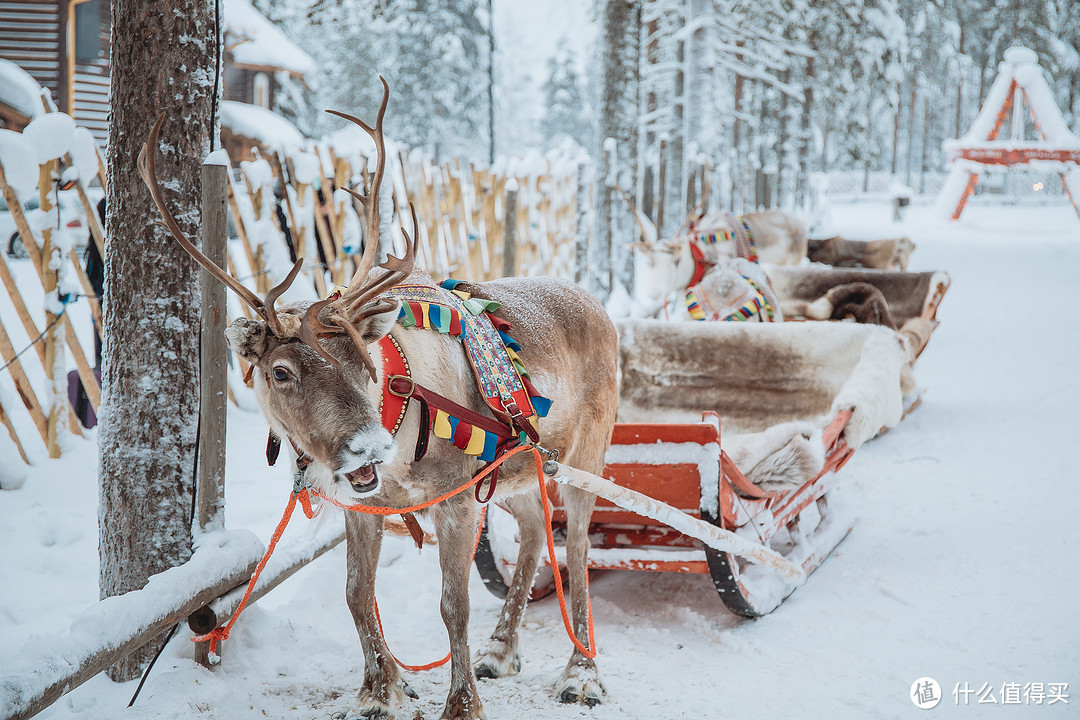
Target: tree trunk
{"points": [[619, 107], [150, 378], [783, 136], [802, 188]]}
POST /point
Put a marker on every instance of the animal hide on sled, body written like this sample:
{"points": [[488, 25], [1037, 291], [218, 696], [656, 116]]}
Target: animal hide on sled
{"points": [[765, 374]]}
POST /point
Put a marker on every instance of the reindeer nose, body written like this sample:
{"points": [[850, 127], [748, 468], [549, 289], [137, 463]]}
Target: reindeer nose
{"points": [[370, 445]]}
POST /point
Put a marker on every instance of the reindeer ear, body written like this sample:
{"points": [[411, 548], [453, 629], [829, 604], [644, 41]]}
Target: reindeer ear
{"points": [[248, 338], [374, 327]]}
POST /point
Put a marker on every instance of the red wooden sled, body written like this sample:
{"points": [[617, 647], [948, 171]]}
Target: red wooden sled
{"points": [[684, 464], [705, 484]]}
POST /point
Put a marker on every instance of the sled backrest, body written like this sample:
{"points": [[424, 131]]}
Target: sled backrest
{"points": [[754, 375], [909, 294]]}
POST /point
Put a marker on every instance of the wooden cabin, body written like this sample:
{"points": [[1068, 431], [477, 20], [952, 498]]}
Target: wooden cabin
{"points": [[64, 45]]}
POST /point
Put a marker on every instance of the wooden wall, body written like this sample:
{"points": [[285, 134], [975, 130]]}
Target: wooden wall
{"points": [[31, 36]]}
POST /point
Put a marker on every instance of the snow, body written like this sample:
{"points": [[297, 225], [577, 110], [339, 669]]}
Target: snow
{"points": [[962, 565], [84, 154], [19, 90], [217, 157], [20, 165], [261, 124], [50, 135], [263, 44]]}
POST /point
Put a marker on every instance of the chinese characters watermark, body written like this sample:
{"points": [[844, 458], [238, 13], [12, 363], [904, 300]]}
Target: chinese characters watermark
{"points": [[926, 693]]}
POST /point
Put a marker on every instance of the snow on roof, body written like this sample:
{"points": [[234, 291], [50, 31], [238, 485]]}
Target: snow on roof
{"points": [[1020, 65], [260, 124], [264, 45], [18, 90]]}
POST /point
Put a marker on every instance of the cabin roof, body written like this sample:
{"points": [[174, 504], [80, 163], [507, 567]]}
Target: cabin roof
{"points": [[257, 43]]}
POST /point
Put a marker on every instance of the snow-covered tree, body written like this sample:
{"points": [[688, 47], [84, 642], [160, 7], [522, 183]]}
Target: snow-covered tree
{"points": [[565, 109], [150, 377], [618, 67]]}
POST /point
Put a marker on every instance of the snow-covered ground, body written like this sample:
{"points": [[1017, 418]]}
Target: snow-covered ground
{"points": [[962, 566]]}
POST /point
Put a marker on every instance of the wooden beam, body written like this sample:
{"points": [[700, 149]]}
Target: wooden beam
{"points": [[22, 385], [213, 360]]}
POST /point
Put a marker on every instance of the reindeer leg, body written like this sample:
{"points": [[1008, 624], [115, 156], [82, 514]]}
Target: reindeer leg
{"points": [[580, 680], [383, 688], [455, 525], [500, 655]]}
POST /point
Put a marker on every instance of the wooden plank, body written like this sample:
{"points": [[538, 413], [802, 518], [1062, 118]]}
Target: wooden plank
{"points": [[6, 422], [20, 307], [46, 172], [651, 433], [19, 216], [213, 361], [86, 374], [96, 233], [22, 385], [75, 662], [88, 289]]}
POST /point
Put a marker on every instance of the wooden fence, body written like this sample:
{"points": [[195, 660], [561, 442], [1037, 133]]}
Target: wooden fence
{"points": [[282, 204]]}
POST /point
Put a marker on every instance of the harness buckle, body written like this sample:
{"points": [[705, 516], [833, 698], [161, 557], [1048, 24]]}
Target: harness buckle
{"points": [[401, 393]]}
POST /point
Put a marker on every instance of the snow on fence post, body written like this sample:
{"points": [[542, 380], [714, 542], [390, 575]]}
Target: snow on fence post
{"points": [[56, 377], [213, 368], [581, 226], [509, 255]]}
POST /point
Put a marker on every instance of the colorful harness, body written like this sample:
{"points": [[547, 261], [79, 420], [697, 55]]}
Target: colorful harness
{"points": [[501, 377], [750, 304], [747, 306]]}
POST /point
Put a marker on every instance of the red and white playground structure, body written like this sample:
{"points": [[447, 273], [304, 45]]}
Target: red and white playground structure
{"points": [[1020, 83]]}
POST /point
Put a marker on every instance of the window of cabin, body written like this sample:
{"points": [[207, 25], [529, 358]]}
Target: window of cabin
{"points": [[262, 90], [88, 45]]}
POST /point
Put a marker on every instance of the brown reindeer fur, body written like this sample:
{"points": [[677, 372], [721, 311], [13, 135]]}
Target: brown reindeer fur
{"points": [[907, 294], [861, 301], [570, 348], [886, 254], [754, 374]]}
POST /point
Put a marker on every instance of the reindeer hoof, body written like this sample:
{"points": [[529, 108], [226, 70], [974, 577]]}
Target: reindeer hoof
{"points": [[497, 661], [581, 684], [409, 691], [464, 705]]}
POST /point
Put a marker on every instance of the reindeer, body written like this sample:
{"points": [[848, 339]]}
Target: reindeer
{"points": [[725, 271], [318, 378]]}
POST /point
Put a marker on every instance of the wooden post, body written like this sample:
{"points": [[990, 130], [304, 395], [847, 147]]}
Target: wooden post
{"points": [[213, 366], [54, 332], [509, 255], [581, 227]]}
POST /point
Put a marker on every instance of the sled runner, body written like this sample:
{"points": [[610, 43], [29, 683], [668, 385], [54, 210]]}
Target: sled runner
{"points": [[741, 427]]}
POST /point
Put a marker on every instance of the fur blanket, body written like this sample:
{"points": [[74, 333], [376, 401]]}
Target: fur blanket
{"points": [[907, 295], [889, 254], [761, 375]]}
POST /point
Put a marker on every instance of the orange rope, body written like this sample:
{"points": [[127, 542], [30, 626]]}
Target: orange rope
{"points": [[555, 569], [437, 663], [222, 633]]}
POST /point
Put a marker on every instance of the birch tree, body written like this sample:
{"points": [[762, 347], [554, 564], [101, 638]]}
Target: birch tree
{"points": [[163, 56]]}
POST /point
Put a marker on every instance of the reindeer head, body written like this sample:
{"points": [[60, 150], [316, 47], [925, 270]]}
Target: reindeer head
{"points": [[313, 372], [660, 266]]}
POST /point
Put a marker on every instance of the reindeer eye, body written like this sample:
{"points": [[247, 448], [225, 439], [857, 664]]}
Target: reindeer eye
{"points": [[281, 374]]}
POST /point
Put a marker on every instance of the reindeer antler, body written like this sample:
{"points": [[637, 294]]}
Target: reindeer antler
{"points": [[148, 171], [342, 313]]}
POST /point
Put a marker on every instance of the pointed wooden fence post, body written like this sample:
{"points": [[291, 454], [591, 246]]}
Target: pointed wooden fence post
{"points": [[213, 365], [509, 256]]}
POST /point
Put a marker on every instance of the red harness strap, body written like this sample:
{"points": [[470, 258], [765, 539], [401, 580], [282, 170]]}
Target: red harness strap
{"points": [[398, 388], [701, 265]]}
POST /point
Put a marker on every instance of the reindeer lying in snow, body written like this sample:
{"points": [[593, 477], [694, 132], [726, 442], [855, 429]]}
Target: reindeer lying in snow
{"points": [[319, 378]]}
